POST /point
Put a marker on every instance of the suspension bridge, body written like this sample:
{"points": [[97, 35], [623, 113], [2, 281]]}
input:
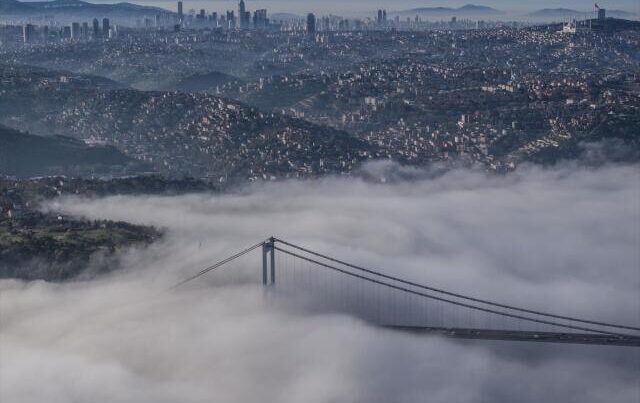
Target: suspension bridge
{"points": [[327, 284]]}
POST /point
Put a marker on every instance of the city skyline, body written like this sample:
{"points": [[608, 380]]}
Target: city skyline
{"points": [[362, 8]]}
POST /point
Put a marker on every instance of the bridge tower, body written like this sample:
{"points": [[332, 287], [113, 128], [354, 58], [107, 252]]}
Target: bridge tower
{"points": [[269, 262]]}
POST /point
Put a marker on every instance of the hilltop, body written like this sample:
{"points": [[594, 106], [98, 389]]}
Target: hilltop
{"points": [[466, 10], [75, 8], [12, 7], [570, 13]]}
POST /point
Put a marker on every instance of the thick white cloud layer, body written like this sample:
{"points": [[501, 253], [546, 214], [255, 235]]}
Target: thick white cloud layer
{"points": [[564, 239]]}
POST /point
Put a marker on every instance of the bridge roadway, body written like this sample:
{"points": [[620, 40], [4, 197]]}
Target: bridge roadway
{"points": [[511, 335]]}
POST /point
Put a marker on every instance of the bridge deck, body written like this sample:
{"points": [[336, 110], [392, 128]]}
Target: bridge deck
{"points": [[548, 337]]}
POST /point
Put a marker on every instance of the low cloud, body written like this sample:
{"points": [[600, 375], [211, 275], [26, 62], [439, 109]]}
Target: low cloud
{"points": [[562, 239]]}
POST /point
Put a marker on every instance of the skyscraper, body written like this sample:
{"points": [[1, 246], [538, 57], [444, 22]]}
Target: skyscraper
{"points": [[180, 14], [105, 27], [231, 20], [243, 15], [28, 31], [96, 28], [75, 30], [602, 13], [260, 19], [311, 24]]}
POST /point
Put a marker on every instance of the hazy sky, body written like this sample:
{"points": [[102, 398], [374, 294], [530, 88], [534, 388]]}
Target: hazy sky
{"points": [[563, 239], [368, 7]]}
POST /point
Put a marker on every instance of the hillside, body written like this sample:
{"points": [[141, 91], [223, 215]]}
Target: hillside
{"points": [[466, 10], [204, 82], [74, 8], [564, 13], [12, 7], [607, 25], [179, 133], [27, 155]]}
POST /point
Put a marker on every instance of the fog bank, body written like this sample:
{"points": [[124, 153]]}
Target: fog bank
{"points": [[563, 239]]}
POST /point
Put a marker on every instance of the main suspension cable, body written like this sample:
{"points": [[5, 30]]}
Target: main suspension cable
{"points": [[462, 304], [452, 294]]}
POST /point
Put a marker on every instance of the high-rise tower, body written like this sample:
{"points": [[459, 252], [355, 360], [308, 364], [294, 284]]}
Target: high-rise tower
{"points": [[75, 30], [242, 14], [96, 28], [28, 31], [105, 27], [311, 24]]}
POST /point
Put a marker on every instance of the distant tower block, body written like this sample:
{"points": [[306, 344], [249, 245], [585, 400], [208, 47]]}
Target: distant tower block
{"points": [[311, 24], [28, 31], [602, 13], [75, 30], [242, 14], [105, 27], [96, 28]]}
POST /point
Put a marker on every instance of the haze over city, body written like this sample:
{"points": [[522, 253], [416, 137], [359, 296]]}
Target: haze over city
{"points": [[363, 7]]}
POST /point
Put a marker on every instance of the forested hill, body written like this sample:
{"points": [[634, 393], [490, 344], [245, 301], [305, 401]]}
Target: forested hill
{"points": [[26, 155]]}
